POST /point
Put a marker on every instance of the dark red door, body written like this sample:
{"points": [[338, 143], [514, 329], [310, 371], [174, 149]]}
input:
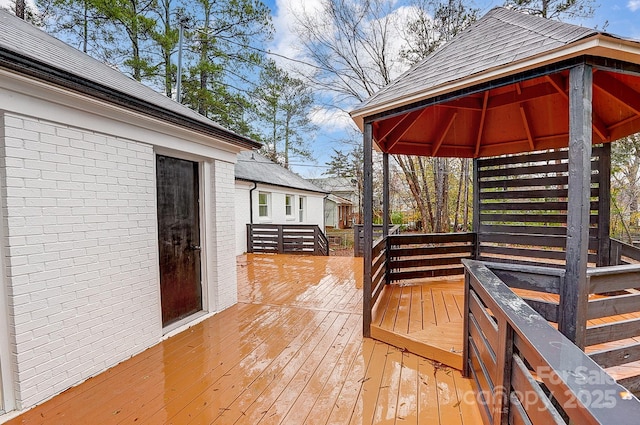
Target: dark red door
{"points": [[179, 238]]}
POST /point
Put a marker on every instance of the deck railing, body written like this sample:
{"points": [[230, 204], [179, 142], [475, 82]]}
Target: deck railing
{"points": [[404, 257], [287, 239], [623, 253], [542, 285], [378, 268], [614, 303], [358, 236], [428, 255], [527, 372]]}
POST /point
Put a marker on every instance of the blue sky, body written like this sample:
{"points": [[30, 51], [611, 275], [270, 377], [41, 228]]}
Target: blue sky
{"points": [[622, 17]]}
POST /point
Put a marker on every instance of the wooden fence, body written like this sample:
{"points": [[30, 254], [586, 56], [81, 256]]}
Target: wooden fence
{"points": [[524, 370], [522, 207], [428, 255], [287, 239], [542, 286]]}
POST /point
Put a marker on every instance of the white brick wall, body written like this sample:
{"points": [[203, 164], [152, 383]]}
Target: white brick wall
{"points": [[81, 252], [243, 214], [223, 235]]}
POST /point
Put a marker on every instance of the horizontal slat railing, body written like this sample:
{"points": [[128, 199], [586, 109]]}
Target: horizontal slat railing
{"points": [[612, 338], [286, 239], [522, 208], [542, 283], [525, 371], [428, 255], [358, 236], [378, 269]]}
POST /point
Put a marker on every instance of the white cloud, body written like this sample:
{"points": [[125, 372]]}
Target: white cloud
{"points": [[633, 5], [286, 42], [331, 119]]}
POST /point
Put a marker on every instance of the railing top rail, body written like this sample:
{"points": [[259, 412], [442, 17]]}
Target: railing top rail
{"points": [[572, 369], [291, 226], [525, 268], [624, 243], [437, 234], [611, 270]]}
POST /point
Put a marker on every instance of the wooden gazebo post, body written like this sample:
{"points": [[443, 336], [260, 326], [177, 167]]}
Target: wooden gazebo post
{"points": [[573, 294], [367, 212], [386, 219]]}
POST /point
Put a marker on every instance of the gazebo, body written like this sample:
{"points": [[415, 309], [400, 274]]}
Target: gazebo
{"points": [[536, 104]]}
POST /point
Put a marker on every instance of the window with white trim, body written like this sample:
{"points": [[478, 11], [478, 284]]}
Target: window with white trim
{"points": [[288, 206], [264, 204]]}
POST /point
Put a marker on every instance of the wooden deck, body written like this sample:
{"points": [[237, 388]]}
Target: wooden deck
{"points": [[424, 318], [290, 352]]}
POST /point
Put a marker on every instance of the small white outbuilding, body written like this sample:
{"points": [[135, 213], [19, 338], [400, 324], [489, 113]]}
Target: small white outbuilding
{"points": [[267, 193]]}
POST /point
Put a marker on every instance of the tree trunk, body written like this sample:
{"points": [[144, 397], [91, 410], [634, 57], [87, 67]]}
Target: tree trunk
{"points": [[287, 125], [441, 192], [465, 164], [20, 8], [459, 196], [166, 51], [204, 56], [408, 168], [426, 190], [85, 26]]}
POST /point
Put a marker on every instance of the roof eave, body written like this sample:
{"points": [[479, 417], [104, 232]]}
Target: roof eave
{"points": [[244, 179], [602, 45], [26, 66]]}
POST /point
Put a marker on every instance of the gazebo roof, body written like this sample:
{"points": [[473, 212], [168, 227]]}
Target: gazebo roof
{"points": [[501, 86]]}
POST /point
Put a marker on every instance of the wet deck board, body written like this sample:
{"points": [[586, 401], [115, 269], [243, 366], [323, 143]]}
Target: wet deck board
{"points": [[424, 318], [290, 352]]}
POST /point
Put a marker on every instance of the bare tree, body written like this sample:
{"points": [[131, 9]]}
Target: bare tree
{"points": [[349, 42], [625, 184], [354, 46], [433, 24], [555, 9]]}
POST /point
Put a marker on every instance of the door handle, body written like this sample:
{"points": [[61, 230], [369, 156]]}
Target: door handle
{"points": [[195, 247]]}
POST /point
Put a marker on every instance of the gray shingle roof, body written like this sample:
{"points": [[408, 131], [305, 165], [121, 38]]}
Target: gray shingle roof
{"points": [[254, 167], [335, 184], [500, 37], [30, 51]]}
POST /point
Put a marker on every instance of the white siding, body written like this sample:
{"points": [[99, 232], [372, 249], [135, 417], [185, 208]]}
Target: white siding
{"points": [[80, 251], [314, 213]]}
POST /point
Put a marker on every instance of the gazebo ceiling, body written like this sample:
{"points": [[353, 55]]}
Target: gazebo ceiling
{"points": [[502, 86], [524, 116]]}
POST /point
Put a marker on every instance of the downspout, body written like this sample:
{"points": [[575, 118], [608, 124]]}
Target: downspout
{"points": [[255, 185], [324, 212]]}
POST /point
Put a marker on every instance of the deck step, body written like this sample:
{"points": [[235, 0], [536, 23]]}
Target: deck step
{"points": [[447, 350]]}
